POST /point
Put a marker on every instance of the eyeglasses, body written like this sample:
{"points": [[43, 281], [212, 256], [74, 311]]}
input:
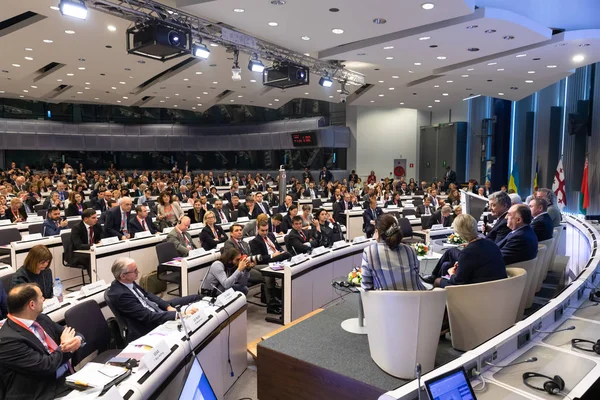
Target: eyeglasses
{"points": [[135, 271]]}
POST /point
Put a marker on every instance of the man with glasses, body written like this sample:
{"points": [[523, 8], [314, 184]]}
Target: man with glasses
{"points": [[141, 310]]}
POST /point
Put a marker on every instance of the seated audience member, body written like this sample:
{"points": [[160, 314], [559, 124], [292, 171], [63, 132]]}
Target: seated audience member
{"points": [[249, 229], [35, 351], [389, 264], [53, 201], [260, 206], [83, 236], [141, 222], [275, 225], [196, 213], [323, 231], [3, 305], [553, 210], [116, 222], [481, 192], [435, 203], [370, 216], [394, 201], [285, 207], [233, 206], [298, 240], [37, 269], [181, 238], [441, 217], [247, 209], [271, 198], [75, 207], [286, 224], [223, 215], [307, 217], [232, 192], [16, 212], [142, 311], [542, 223], [500, 202], [53, 224], [212, 234], [265, 244], [480, 261], [167, 210], [520, 244], [515, 198], [230, 271], [425, 209], [146, 197]]}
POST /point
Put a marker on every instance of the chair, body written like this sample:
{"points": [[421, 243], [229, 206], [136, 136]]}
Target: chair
{"points": [[88, 204], [87, 319], [42, 213], [67, 261], [426, 221], [9, 235], [317, 203], [7, 281], [120, 321], [38, 207], [407, 232], [408, 211], [556, 240], [545, 263], [395, 344], [167, 251], [72, 222], [418, 201], [529, 266], [234, 215], [35, 228], [480, 311]]}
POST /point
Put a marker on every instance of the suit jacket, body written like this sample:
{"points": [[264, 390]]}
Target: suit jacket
{"points": [[135, 226], [543, 227], [49, 228], [327, 176], [227, 196], [112, 222], [271, 199], [295, 242], [100, 204], [500, 230], [192, 215], [244, 211], [208, 240], [79, 236], [242, 246], [450, 177], [421, 210], [519, 245], [139, 319], [391, 203], [286, 224], [178, 240], [257, 211], [282, 208], [436, 218], [368, 217], [225, 212], [258, 246], [8, 214], [72, 210], [27, 371]]}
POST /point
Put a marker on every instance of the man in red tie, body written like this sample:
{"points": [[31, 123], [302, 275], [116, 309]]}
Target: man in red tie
{"points": [[35, 351], [83, 236], [141, 222], [298, 240]]}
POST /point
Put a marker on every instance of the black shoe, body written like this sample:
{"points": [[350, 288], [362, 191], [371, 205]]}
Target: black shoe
{"points": [[275, 301], [428, 279], [273, 310]]}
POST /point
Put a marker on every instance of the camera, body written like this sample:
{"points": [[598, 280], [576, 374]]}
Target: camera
{"points": [[253, 259], [343, 97]]}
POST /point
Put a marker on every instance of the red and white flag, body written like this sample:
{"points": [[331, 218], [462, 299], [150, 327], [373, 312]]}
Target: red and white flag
{"points": [[558, 186]]}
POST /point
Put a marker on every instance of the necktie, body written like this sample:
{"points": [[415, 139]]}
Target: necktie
{"points": [[56, 223], [123, 222], [270, 244], [145, 302], [239, 243], [47, 341], [345, 205], [187, 242], [374, 216], [303, 237], [223, 219], [91, 236], [143, 224]]}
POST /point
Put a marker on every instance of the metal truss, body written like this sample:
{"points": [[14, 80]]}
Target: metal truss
{"points": [[145, 11]]}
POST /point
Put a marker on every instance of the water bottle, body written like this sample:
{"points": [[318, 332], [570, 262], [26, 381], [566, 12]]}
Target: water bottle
{"points": [[430, 248], [57, 289]]}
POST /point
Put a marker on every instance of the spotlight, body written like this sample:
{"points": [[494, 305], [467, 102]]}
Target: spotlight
{"points": [[325, 81], [201, 51], [255, 65], [236, 71], [73, 8]]}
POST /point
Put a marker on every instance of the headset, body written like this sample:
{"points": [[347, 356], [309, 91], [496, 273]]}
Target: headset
{"points": [[551, 386], [595, 345], [594, 296]]}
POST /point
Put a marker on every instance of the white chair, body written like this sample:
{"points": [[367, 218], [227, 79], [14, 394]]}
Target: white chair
{"points": [[529, 266], [556, 239], [403, 328], [542, 256], [480, 311], [545, 264]]}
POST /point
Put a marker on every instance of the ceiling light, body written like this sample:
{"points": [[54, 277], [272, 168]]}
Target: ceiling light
{"points": [[122, 83], [79, 92], [490, 31], [81, 68], [550, 66], [276, 99], [337, 31], [215, 83], [25, 91], [429, 106], [175, 105], [441, 57], [508, 37], [200, 50], [34, 87], [29, 58], [273, 24], [59, 80], [372, 101], [204, 92], [162, 101], [238, 10], [436, 86], [306, 94], [16, 65], [69, 32], [325, 82], [389, 58], [379, 21], [185, 79], [578, 58], [305, 38], [87, 83], [500, 69], [280, 3], [500, 94], [528, 81], [307, 54], [253, 80], [331, 97], [470, 69], [112, 28], [232, 101], [21, 96], [395, 76], [199, 73], [380, 81], [464, 76], [531, 72], [521, 55], [388, 47], [255, 65], [96, 98], [492, 63], [270, 104], [113, 88], [73, 8], [411, 72], [28, 49], [444, 94], [417, 64], [401, 103], [449, 81], [472, 26], [52, 8], [86, 88], [437, 101], [425, 38], [391, 88], [427, 6], [48, 41]]}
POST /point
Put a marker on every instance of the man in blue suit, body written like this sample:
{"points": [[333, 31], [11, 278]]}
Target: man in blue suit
{"points": [[521, 243], [117, 218], [53, 224], [370, 216], [542, 222]]}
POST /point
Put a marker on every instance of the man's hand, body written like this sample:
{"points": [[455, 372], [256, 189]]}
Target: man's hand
{"points": [[67, 334], [64, 223], [171, 308], [191, 311], [72, 345]]}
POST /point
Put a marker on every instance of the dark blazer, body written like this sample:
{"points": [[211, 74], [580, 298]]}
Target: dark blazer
{"points": [[257, 211], [218, 216], [327, 176], [79, 236], [139, 319], [135, 226], [286, 224], [244, 211], [112, 222], [245, 247], [231, 208], [192, 215], [391, 203], [519, 245], [208, 240], [49, 228], [295, 242], [258, 246], [271, 199], [368, 217], [227, 196], [436, 218], [72, 210], [480, 261], [27, 371], [3, 305], [8, 214], [282, 208], [100, 204], [543, 227], [421, 210], [500, 229]]}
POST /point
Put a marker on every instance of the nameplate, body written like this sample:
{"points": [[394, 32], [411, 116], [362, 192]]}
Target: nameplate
{"points": [[411, 217], [194, 321], [168, 229], [156, 355], [243, 219], [392, 206], [5, 222], [35, 219], [339, 244], [437, 227], [319, 250], [112, 394], [225, 297], [109, 240], [196, 252], [359, 239], [51, 304], [34, 236], [142, 234], [92, 287], [297, 259], [197, 225]]}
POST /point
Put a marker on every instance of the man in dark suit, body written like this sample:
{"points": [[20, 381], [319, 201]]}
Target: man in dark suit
{"points": [[265, 244], [298, 241], [180, 237], [54, 224], [424, 209], [307, 175], [83, 235], [542, 223], [141, 222], [142, 311], [260, 206], [35, 351], [499, 204], [283, 208], [247, 209], [223, 215], [232, 192], [325, 175], [442, 216], [99, 202], [370, 216], [520, 244], [434, 200], [233, 205], [270, 197], [450, 176], [117, 219], [340, 206]]}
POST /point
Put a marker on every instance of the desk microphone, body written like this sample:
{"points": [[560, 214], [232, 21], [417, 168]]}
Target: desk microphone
{"points": [[418, 374], [214, 298], [185, 330], [529, 360], [569, 328]]}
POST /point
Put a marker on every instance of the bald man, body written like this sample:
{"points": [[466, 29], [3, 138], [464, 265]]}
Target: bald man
{"points": [[117, 219], [180, 237]]}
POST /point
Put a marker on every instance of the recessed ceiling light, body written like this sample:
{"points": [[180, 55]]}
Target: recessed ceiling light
{"points": [[199, 73], [69, 32], [490, 31], [21, 96], [273, 24], [305, 38], [380, 81], [584, 45], [79, 92], [306, 94], [199, 105], [118, 101], [401, 103], [464, 76], [25, 91], [95, 98], [175, 105], [472, 26], [492, 63], [186, 79], [204, 92], [500, 69], [270, 104], [578, 58], [425, 38], [307, 54], [550, 66], [232, 101], [449, 81], [361, 54], [437, 101], [86, 88], [473, 49], [214, 45], [34, 87], [388, 47], [389, 58], [444, 94], [470, 69], [337, 31], [28, 49], [198, 97], [436, 86], [433, 46], [29, 58], [395, 77], [276, 99], [48, 41], [391, 88], [54, 8], [528, 81], [411, 72], [122, 83], [112, 28], [531, 72], [59, 80], [167, 97], [87, 83], [331, 97], [521, 55], [215, 83], [253, 80], [81, 68], [125, 97], [508, 37], [16, 65], [278, 2], [441, 57], [238, 10], [500, 94], [240, 96], [381, 95], [372, 101], [162, 101], [176, 94], [417, 64], [427, 6], [113, 88], [193, 108]]}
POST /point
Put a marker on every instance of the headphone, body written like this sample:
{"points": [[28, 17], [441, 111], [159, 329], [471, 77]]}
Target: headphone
{"points": [[594, 296], [595, 345], [552, 385]]}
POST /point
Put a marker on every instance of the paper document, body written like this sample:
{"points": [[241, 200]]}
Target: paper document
{"points": [[96, 375]]}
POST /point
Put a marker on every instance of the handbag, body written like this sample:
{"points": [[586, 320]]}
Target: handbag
{"points": [[150, 283]]}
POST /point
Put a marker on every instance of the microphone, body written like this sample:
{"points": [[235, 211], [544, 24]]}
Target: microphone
{"points": [[217, 289], [569, 328], [418, 374], [529, 360], [185, 330]]}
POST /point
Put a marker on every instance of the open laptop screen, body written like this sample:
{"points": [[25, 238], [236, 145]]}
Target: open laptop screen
{"points": [[452, 385], [196, 385]]}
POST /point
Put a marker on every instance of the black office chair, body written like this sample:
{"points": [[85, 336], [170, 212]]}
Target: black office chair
{"points": [[67, 260], [72, 222], [7, 281], [426, 221], [88, 204], [418, 201], [35, 228], [38, 207], [42, 213], [121, 338], [317, 203], [408, 211], [7, 236], [165, 252], [407, 232], [234, 215], [87, 319]]}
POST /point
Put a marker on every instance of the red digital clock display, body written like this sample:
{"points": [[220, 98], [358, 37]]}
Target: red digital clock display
{"points": [[305, 139]]}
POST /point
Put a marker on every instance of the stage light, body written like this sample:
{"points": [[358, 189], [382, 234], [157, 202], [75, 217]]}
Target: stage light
{"points": [[325, 82], [236, 71], [255, 65], [73, 8], [201, 51]]}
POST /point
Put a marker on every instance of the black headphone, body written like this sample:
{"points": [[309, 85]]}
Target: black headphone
{"points": [[595, 345], [552, 385], [594, 296]]}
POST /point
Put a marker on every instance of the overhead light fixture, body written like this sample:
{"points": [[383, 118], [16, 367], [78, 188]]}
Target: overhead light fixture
{"points": [[444, 94], [427, 6], [425, 38], [531, 72], [200, 50], [73, 8], [492, 63], [490, 31], [16, 65], [238, 10], [464, 76], [48, 41], [389, 58], [255, 65], [29, 58], [449, 81], [500, 69], [28, 49], [325, 81], [472, 26], [70, 32], [508, 37], [521, 55], [473, 49], [305, 38], [273, 24], [337, 31], [472, 97], [441, 57], [395, 76], [436, 86], [470, 69], [112, 28], [500, 94], [578, 58], [437, 101], [528, 81], [388, 47], [417, 64], [550, 66]]}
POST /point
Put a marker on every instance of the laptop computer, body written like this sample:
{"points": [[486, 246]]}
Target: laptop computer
{"points": [[196, 386], [453, 385]]}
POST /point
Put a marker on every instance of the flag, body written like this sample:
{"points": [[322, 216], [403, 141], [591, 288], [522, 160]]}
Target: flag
{"points": [[513, 182], [535, 178], [558, 186], [584, 195]]}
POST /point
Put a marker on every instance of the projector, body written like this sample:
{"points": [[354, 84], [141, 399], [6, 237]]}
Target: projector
{"points": [[284, 76], [158, 41]]}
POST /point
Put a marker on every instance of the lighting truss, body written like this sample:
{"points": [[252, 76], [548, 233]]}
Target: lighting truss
{"points": [[144, 11]]}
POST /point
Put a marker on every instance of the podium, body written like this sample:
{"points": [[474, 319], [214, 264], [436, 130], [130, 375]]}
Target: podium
{"points": [[473, 204]]}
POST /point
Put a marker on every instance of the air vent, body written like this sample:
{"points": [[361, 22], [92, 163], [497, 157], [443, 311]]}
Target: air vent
{"points": [[143, 101], [47, 70], [57, 91], [168, 73], [20, 21]]}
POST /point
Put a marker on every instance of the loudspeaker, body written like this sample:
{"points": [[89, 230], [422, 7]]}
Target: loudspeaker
{"points": [[551, 386], [595, 345]]}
